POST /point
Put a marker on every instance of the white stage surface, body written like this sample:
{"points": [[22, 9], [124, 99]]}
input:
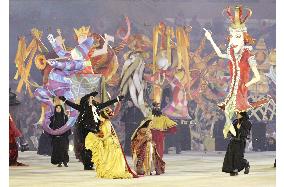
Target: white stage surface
{"points": [[188, 169]]}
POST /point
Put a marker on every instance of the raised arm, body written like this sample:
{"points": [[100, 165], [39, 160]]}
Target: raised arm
{"points": [[216, 48], [69, 65], [58, 49], [110, 102], [71, 104], [104, 49]]}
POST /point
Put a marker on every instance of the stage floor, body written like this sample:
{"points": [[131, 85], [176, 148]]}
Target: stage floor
{"points": [[189, 169]]}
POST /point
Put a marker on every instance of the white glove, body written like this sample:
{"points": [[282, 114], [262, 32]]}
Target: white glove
{"points": [[51, 62], [51, 39], [109, 38], [207, 34]]}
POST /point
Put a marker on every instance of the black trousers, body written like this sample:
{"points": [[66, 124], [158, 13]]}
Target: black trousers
{"points": [[86, 154]]}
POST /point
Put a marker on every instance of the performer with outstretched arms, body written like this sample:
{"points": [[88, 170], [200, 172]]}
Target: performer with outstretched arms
{"points": [[87, 121], [241, 61], [107, 153], [161, 124]]}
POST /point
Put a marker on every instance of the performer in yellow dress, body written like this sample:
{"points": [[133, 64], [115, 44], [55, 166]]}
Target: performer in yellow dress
{"points": [[107, 153]]}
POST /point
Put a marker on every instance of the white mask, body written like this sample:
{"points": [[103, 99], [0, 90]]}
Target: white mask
{"points": [[236, 40]]}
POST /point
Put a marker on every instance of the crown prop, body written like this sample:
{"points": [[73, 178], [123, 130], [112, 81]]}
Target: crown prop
{"points": [[82, 31], [238, 21]]}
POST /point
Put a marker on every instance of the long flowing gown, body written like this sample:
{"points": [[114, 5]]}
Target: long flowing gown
{"points": [[144, 153], [107, 154], [60, 143]]}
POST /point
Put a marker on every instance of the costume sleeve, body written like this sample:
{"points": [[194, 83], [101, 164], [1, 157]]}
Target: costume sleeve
{"points": [[252, 61], [105, 104], [73, 105], [51, 125], [170, 125], [84, 47], [59, 50], [70, 65]]}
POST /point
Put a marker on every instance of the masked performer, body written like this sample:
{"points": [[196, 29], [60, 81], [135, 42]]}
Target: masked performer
{"points": [[58, 82], [60, 143], [234, 161], [144, 152], [107, 153], [88, 121], [161, 125], [241, 61]]}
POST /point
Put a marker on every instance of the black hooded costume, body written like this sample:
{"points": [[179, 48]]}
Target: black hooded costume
{"points": [[87, 121], [234, 161], [60, 143]]}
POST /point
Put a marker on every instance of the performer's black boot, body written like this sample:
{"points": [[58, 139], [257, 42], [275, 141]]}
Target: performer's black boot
{"points": [[59, 165], [87, 157], [88, 167], [234, 173], [65, 164], [247, 168]]}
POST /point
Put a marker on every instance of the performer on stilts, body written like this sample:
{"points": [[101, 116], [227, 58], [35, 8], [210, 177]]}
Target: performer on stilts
{"points": [[241, 61]]}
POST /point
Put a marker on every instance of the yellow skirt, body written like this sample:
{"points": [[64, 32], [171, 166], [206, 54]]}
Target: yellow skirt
{"points": [[107, 157]]}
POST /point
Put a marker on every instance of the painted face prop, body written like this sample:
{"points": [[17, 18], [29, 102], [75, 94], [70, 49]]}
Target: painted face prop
{"points": [[236, 40]]}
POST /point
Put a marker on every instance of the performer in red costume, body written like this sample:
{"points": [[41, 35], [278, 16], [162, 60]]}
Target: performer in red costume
{"points": [[14, 133], [241, 61], [161, 125]]}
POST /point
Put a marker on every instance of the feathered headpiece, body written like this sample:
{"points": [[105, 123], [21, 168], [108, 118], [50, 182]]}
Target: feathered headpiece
{"points": [[238, 21]]}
